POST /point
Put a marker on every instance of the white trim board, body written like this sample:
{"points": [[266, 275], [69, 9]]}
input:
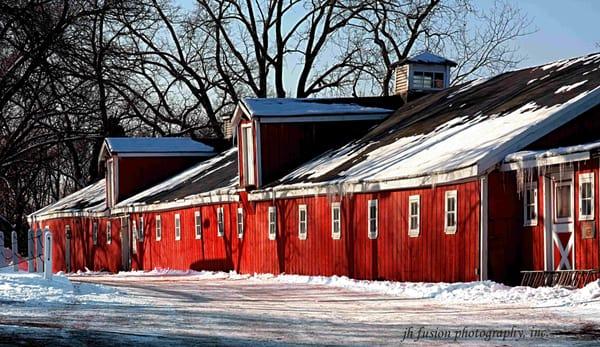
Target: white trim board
{"points": [[322, 118], [183, 203], [66, 214], [364, 186], [554, 160]]}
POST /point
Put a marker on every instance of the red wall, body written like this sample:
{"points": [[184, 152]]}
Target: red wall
{"points": [[84, 253], [137, 174], [432, 256], [285, 146]]}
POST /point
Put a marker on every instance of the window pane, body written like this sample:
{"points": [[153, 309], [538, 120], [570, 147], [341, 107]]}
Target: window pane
{"points": [[563, 201], [373, 225], [586, 190], [586, 207], [438, 80], [414, 222]]}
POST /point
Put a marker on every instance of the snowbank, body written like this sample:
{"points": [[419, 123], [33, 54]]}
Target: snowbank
{"points": [[485, 292], [33, 288]]}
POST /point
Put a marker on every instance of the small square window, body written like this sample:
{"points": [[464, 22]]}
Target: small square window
{"points": [[158, 228], [372, 212], [108, 232], [95, 233], [414, 215], [220, 222], [336, 221], [451, 215], [272, 223], [177, 227], [586, 196], [141, 230], [302, 222], [240, 223], [530, 205], [198, 224]]}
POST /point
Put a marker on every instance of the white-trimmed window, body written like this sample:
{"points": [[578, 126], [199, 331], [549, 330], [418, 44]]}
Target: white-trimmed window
{"points": [[302, 222], [198, 224], [414, 215], [563, 204], [451, 214], [108, 232], [177, 227], [134, 230], [586, 196], [158, 228], [95, 232], [272, 222], [336, 221], [530, 204], [240, 222], [141, 230], [372, 207], [220, 222]]}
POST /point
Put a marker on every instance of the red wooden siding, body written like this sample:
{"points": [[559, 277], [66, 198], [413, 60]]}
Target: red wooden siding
{"points": [[432, 256], [285, 146], [84, 253], [137, 174]]}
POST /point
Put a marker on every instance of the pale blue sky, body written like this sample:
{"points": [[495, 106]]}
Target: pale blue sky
{"points": [[566, 28]]}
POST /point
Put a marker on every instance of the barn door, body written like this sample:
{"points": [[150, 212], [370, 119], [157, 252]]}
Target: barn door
{"points": [[125, 244], [68, 237], [562, 213]]}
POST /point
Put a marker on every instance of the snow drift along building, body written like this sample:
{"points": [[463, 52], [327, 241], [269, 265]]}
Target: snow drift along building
{"points": [[477, 181]]}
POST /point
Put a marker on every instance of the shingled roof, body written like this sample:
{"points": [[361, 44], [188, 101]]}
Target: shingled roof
{"points": [[212, 177], [89, 201], [462, 131]]}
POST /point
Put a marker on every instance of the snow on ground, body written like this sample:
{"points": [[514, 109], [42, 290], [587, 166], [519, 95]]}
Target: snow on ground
{"points": [[161, 307], [485, 292], [32, 288]]}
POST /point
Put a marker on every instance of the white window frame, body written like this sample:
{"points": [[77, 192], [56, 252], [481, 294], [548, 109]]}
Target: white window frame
{"points": [[108, 232], [451, 194], [248, 154], [336, 235], [414, 199], [272, 222], [531, 186], [134, 230], [555, 185], [198, 224], [141, 230], [302, 224], [177, 227], [95, 232], [373, 233], [586, 178], [158, 227], [220, 222], [240, 223]]}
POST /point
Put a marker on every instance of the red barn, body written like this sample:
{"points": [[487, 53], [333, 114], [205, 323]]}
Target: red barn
{"points": [[477, 181]]}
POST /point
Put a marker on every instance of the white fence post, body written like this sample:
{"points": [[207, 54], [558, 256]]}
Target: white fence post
{"points": [[48, 254], [15, 251], [39, 260], [30, 250], [2, 256]]}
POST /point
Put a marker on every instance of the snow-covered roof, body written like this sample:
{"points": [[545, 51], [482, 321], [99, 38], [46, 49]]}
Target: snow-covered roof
{"points": [[460, 132], [155, 145], [430, 58], [289, 107], [559, 155], [86, 201], [216, 176]]}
